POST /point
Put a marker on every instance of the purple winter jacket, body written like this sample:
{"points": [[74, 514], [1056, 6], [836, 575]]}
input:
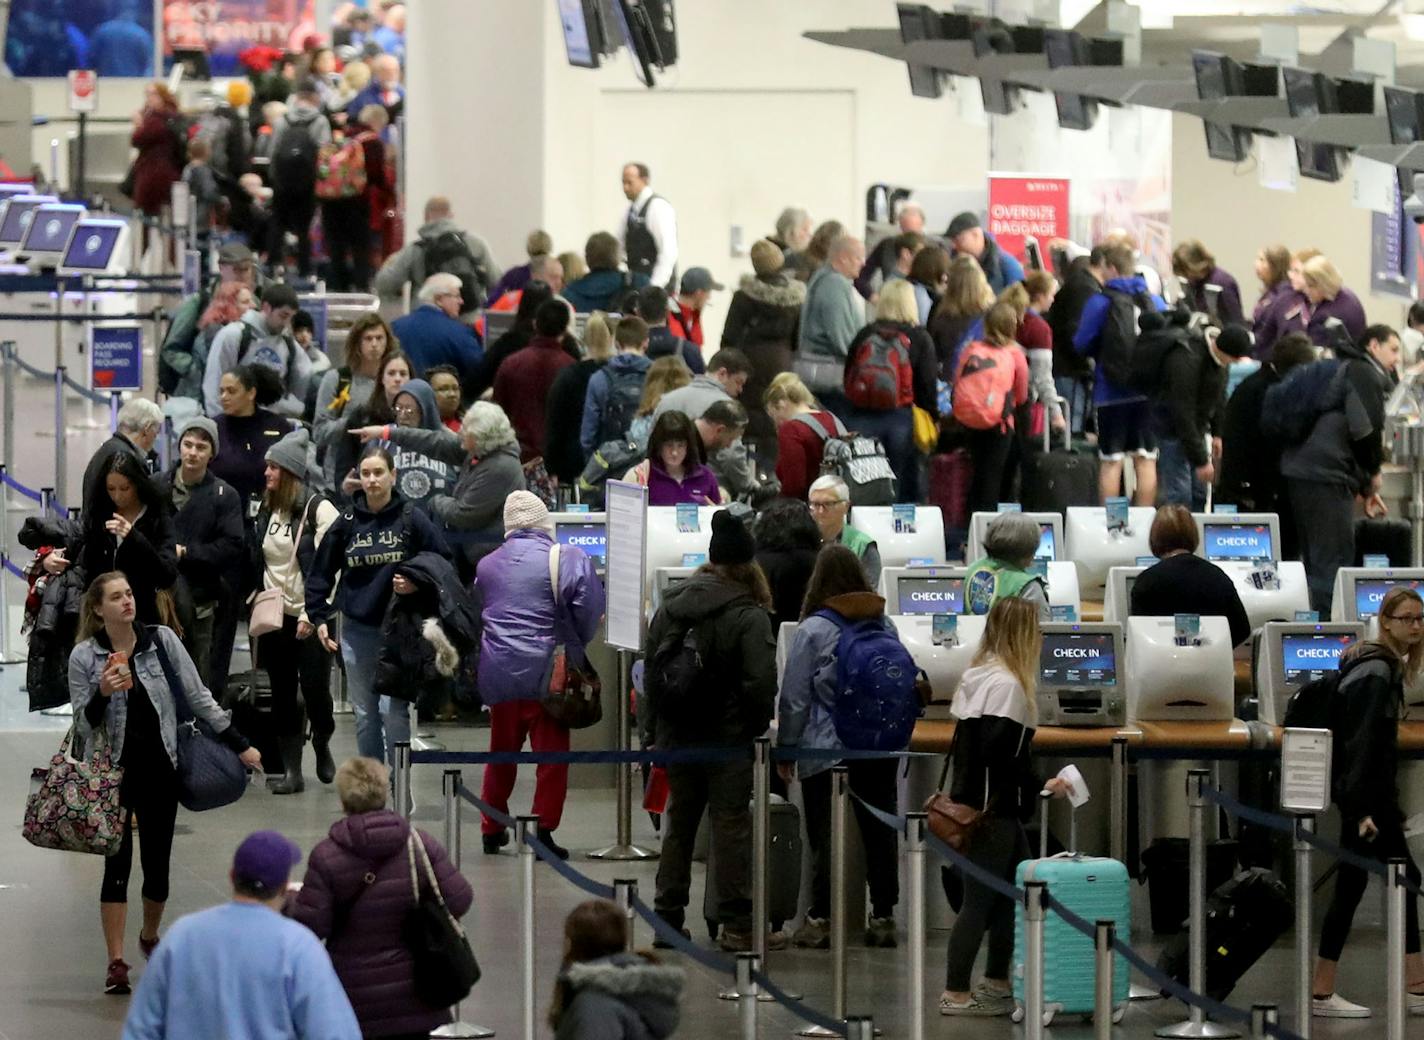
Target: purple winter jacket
{"points": [[361, 919], [698, 486], [522, 623], [1266, 317]]}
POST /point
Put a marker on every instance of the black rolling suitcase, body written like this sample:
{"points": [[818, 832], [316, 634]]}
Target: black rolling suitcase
{"points": [[1383, 538], [1055, 480], [1244, 918], [783, 893]]}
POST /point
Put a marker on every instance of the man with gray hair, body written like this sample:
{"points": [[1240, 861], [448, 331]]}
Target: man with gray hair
{"points": [[441, 245], [140, 421], [880, 266], [831, 316], [433, 333], [829, 499], [1010, 546]]}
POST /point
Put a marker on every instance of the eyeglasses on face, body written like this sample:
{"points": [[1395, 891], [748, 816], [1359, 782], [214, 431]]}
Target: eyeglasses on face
{"points": [[823, 505], [1407, 619]]}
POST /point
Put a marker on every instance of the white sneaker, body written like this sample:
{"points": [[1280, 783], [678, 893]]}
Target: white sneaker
{"points": [[1414, 1003], [1336, 1006]]}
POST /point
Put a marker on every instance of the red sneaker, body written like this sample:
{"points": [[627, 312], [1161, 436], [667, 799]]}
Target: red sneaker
{"points": [[117, 979], [147, 946]]}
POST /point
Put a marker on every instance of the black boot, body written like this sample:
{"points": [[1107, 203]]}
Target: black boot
{"points": [[325, 764], [494, 842], [547, 837], [292, 782]]}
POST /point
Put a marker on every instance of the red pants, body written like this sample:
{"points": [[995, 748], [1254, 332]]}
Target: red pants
{"points": [[510, 724]]}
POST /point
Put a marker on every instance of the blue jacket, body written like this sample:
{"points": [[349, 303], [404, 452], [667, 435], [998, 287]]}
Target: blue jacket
{"points": [[522, 621], [597, 290], [364, 547], [1090, 330], [240, 970], [429, 336], [1000, 268], [596, 397]]}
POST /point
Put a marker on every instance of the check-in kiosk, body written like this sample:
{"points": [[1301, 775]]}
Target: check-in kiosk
{"points": [[98, 245], [588, 531], [1117, 593], [1168, 681], [1246, 546], [1058, 572], [1080, 675], [664, 579], [943, 662], [49, 231], [923, 590], [668, 546], [1290, 654], [1093, 548], [16, 213], [1360, 590], [899, 540]]}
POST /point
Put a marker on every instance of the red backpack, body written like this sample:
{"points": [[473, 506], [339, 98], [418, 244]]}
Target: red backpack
{"points": [[879, 377], [341, 168], [984, 386]]}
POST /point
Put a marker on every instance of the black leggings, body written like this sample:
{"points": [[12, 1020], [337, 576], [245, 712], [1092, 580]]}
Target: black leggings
{"points": [[875, 782], [994, 469], [998, 846], [154, 797], [291, 662], [1350, 882]]}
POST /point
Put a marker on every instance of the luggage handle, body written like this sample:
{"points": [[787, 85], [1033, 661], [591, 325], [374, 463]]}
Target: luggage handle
{"points": [[1044, 797], [1067, 427]]}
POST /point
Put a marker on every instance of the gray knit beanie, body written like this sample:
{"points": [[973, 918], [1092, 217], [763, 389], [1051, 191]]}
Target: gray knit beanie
{"points": [[291, 453]]}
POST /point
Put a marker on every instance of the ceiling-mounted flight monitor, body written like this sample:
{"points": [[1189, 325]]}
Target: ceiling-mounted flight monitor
{"points": [[663, 21], [991, 36], [1353, 97], [1065, 48], [1028, 39], [918, 22], [1404, 111], [1105, 51], [1000, 98], [579, 20], [1310, 94], [644, 24], [1218, 76]]}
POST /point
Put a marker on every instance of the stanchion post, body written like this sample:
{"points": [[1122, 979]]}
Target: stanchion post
{"points": [[625, 892], [527, 827], [860, 1027], [1304, 953], [8, 429], [915, 870], [1263, 1017], [761, 844], [1395, 895], [400, 786], [60, 476], [1117, 838], [1035, 909], [47, 502], [450, 788], [748, 964], [840, 806], [115, 398], [1103, 980], [623, 847], [1196, 1027]]}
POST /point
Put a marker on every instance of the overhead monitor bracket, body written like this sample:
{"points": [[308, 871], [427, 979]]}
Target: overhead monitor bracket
{"points": [[1280, 44], [1374, 59], [1125, 22]]}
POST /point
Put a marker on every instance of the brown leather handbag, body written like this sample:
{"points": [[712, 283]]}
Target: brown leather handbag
{"points": [[953, 823]]}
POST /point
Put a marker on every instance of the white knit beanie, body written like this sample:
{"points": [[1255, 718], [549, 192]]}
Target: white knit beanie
{"points": [[524, 511]]}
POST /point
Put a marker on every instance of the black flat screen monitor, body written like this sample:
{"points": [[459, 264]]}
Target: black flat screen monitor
{"points": [[580, 41], [1077, 659], [1309, 94], [1218, 76], [1064, 49], [1404, 111], [999, 97]]}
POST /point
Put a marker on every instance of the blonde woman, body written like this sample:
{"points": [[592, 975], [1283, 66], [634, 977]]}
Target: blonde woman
{"points": [[802, 428], [665, 375], [960, 312], [996, 716], [1325, 297]]}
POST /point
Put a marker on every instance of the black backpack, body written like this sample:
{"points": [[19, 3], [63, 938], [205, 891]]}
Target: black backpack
{"points": [[1290, 408], [175, 356], [1316, 705], [1128, 316], [611, 459], [625, 393], [1149, 357], [690, 698], [294, 156], [449, 253]]}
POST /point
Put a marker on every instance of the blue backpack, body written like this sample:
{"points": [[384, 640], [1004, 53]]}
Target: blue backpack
{"points": [[875, 705]]}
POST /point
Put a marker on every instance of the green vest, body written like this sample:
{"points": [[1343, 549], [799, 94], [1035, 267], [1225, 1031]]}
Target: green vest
{"points": [[991, 580], [855, 540]]}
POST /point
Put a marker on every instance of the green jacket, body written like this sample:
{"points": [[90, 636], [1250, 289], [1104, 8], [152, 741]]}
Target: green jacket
{"points": [[990, 580]]}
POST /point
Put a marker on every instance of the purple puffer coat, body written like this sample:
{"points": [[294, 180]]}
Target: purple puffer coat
{"points": [[355, 896], [520, 615]]}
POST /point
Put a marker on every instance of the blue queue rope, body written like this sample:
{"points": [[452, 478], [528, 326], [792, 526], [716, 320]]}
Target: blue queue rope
{"points": [[40, 373], [650, 756], [29, 493], [85, 392], [5, 561], [1283, 823]]}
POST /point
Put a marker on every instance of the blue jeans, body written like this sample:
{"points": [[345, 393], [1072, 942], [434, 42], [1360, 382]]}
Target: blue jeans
{"points": [[378, 719], [1177, 482], [1079, 397], [896, 431]]}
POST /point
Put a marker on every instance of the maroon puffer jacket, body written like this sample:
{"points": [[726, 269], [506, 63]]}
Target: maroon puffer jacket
{"points": [[355, 896]]}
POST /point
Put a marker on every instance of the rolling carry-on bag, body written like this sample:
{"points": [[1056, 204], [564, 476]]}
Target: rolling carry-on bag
{"points": [[1383, 537], [783, 893], [1094, 888], [1054, 480], [1244, 918]]}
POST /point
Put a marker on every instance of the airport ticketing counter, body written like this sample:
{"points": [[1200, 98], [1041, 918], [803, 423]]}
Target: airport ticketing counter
{"points": [[1094, 547], [1080, 679], [1246, 546], [677, 537], [902, 533], [1359, 591], [1058, 571]]}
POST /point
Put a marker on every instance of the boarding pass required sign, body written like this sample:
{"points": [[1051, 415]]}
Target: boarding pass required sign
{"points": [[116, 357], [83, 90]]}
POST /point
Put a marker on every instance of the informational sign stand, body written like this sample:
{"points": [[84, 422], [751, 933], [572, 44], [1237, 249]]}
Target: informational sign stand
{"points": [[83, 99], [627, 556], [1305, 770]]}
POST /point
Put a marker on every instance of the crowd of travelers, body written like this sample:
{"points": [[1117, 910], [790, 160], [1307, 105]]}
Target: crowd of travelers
{"points": [[388, 510]]}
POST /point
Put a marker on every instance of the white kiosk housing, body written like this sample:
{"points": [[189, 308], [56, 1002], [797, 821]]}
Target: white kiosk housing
{"points": [[49, 231], [1171, 683], [1117, 593], [944, 665], [1093, 548], [98, 245], [898, 548], [665, 578], [1293, 653], [1360, 590], [667, 546], [1059, 573], [1241, 544], [1080, 675]]}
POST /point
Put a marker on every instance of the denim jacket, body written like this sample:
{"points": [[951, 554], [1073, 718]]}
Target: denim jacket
{"points": [[86, 664]]}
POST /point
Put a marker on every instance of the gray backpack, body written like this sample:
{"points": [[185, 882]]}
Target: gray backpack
{"points": [[859, 460]]}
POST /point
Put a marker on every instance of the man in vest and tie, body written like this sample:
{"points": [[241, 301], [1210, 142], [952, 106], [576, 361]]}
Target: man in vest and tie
{"points": [[649, 231]]}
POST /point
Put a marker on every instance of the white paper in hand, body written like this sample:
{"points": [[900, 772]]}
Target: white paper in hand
{"points": [[1079, 794]]}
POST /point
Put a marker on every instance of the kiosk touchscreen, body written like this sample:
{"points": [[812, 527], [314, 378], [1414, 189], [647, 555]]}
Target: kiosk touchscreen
{"points": [[589, 531], [18, 211], [923, 590], [1078, 675], [1247, 547], [665, 578], [900, 540], [1168, 681], [97, 246], [1117, 593], [1291, 654], [943, 661], [1094, 549], [49, 232], [1360, 590], [671, 546], [1050, 542]]}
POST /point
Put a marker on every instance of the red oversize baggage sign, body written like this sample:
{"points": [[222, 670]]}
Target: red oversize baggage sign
{"points": [[1023, 205]]}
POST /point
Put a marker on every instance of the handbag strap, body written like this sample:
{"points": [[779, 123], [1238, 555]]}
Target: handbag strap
{"points": [[296, 547], [415, 842], [175, 688], [554, 571]]}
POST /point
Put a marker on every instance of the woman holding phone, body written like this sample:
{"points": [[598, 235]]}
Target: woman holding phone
{"points": [[118, 683]]}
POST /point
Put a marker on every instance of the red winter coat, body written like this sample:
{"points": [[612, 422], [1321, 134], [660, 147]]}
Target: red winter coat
{"points": [[156, 166], [521, 388], [361, 922]]}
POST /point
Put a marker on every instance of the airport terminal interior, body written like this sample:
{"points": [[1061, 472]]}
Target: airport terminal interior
{"points": [[974, 451]]}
